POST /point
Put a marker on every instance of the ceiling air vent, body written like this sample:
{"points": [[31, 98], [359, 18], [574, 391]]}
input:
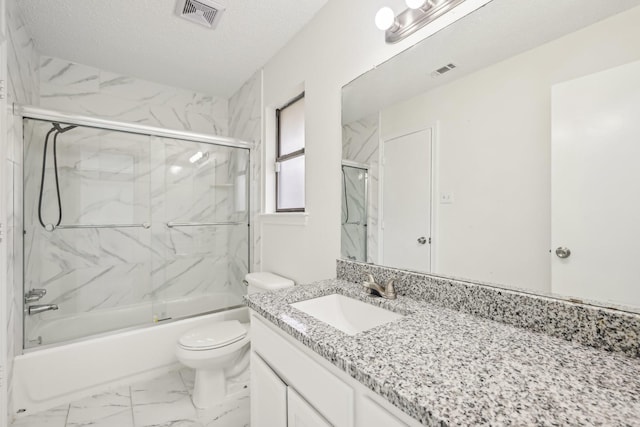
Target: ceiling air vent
{"points": [[203, 12], [440, 71]]}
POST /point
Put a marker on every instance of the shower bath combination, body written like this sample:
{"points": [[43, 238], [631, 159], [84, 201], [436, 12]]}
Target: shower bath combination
{"points": [[135, 234], [128, 228]]}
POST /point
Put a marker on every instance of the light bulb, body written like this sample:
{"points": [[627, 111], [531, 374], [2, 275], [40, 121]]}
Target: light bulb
{"points": [[385, 18], [415, 4]]}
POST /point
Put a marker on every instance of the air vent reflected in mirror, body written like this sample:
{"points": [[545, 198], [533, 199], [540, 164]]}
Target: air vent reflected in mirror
{"points": [[442, 70]]}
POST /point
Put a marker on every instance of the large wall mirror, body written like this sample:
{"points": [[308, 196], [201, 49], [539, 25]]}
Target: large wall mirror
{"points": [[504, 149]]}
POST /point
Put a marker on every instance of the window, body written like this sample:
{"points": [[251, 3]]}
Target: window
{"points": [[290, 156]]}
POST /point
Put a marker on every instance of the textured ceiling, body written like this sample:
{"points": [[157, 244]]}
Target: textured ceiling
{"points": [[144, 38]]}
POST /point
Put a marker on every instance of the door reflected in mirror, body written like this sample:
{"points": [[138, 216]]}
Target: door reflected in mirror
{"points": [[518, 166]]}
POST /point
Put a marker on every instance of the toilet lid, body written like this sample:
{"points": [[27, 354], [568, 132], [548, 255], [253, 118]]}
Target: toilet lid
{"points": [[212, 336]]}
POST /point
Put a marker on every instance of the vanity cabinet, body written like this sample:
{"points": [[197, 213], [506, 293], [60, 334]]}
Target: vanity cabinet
{"points": [[302, 414], [276, 404], [293, 386], [270, 409]]}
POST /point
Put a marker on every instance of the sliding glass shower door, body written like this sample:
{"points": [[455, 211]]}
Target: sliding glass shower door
{"points": [[125, 229], [200, 217]]}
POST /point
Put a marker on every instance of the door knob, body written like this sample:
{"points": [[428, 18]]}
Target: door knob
{"points": [[422, 240], [563, 252]]}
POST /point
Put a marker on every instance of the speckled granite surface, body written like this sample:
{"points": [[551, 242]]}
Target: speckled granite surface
{"points": [[444, 367], [607, 329]]}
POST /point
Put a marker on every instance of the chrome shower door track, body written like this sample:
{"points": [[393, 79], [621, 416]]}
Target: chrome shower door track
{"points": [[29, 112]]}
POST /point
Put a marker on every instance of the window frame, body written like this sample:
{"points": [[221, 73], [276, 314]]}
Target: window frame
{"points": [[289, 156]]}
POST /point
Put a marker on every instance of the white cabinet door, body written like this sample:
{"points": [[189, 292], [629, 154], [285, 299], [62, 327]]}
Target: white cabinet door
{"points": [[370, 414], [270, 408], [301, 414]]}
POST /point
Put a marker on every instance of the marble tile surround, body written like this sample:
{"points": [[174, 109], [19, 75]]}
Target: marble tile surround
{"points": [[602, 328], [117, 178], [360, 141], [182, 261], [164, 401], [245, 123], [77, 88]]}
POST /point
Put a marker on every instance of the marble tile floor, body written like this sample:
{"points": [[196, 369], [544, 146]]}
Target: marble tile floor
{"points": [[161, 402]]}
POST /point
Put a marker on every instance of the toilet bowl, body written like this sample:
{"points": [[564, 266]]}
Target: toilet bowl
{"points": [[220, 350], [212, 350]]}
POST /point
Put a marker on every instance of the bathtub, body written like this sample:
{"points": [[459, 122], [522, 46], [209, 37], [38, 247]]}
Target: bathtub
{"points": [[51, 328], [48, 377]]}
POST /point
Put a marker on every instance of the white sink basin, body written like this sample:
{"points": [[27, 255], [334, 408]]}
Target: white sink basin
{"points": [[346, 314]]}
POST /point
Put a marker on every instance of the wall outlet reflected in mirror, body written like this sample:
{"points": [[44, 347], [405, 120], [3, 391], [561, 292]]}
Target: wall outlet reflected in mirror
{"points": [[446, 198]]}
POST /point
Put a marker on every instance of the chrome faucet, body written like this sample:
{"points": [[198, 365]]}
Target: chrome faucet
{"points": [[387, 291], [39, 308], [34, 295]]}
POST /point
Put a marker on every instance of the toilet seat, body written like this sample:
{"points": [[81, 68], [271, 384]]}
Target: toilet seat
{"points": [[215, 335]]}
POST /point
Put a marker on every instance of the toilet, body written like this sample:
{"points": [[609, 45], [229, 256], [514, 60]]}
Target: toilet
{"points": [[220, 350]]}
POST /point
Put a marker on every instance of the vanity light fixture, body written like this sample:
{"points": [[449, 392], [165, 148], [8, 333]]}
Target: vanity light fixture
{"points": [[418, 14]]}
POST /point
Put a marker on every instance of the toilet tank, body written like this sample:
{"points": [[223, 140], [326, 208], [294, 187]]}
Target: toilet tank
{"points": [[264, 282]]}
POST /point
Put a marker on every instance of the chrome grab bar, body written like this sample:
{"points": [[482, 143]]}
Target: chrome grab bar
{"points": [[201, 224], [51, 227]]}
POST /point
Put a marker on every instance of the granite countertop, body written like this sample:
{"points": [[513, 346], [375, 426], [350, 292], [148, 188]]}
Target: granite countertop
{"points": [[443, 367]]}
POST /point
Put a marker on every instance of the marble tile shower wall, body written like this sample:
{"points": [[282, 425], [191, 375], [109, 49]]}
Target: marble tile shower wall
{"points": [[607, 329], [77, 88], [119, 178], [360, 140], [104, 178], [22, 88], [73, 87], [245, 123]]}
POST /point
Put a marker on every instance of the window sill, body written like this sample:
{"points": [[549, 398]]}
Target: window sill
{"points": [[284, 218]]}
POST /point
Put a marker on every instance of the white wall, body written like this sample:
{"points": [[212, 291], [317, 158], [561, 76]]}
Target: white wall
{"points": [[340, 43], [494, 152]]}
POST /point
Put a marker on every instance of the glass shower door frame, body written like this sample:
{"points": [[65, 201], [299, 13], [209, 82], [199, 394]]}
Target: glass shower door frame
{"points": [[365, 168], [89, 122]]}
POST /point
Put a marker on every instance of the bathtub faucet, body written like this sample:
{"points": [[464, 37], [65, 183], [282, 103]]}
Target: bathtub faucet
{"points": [[39, 308]]}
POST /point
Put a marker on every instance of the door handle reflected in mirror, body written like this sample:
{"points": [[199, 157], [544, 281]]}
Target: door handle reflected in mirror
{"points": [[563, 253], [422, 240]]}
